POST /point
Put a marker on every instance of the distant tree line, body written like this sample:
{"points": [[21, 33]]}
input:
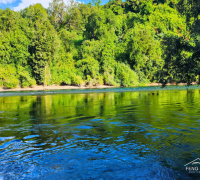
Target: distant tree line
{"points": [[127, 43]]}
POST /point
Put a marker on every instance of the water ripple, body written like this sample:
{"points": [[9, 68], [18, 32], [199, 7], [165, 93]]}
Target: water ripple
{"points": [[111, 134]]}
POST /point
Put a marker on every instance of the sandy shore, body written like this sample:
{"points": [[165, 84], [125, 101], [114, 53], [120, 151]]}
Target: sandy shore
{"points": [[54, 87], [170, 84]]}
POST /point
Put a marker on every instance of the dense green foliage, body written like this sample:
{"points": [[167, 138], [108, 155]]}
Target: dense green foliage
{"points": [[120, 43]]}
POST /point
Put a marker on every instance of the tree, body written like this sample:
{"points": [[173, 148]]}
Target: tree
{"points": [[57, 11], [44, 41], [145, 54]]}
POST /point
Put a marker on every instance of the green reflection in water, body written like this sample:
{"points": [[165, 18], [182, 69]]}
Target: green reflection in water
{"points": [[164, 123]]}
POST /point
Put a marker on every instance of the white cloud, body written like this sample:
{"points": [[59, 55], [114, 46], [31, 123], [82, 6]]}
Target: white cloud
{"points": [[27, 3], [7, 1]]}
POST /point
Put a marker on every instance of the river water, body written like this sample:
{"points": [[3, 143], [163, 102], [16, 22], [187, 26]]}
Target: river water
{"points": [[129, 133]]}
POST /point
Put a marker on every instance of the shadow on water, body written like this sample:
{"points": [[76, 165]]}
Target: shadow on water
{"points": [[108, 135]]}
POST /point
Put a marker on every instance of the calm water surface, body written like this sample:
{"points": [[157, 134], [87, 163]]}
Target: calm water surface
{"points": [[147, 135]]}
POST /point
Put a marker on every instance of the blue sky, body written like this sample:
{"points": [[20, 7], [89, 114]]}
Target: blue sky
{"points": [[9, 5], [20, 4]]}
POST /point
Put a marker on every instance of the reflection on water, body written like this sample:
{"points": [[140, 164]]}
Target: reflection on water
{"points": [[111, 135]]}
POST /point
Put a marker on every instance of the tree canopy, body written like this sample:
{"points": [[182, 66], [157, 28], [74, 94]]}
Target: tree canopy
{"points": [[120, 43]]}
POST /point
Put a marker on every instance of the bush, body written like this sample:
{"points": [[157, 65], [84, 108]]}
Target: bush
{"points": [[62, 74], [8, 76], [89, 68], [77, 80], [119, 74], [125, 76], [1, 83], [25, 78], [109, 68], [11, 82], [142, 78]]}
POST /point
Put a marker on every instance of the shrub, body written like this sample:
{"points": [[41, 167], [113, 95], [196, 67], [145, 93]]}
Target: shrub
{"points": [[89, 68], [8, 76], [11, 82], [25, 78], [125, 75], [1, 83], [109, 68], [62, 74]]}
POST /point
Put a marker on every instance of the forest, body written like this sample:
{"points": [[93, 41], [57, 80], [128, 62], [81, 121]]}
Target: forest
{"points": [[122, 43]]}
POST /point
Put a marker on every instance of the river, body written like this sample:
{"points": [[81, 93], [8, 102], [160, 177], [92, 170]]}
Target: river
{"points": [[122, 133]]}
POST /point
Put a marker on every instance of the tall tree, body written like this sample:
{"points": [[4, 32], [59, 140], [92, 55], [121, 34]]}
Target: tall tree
{"points": [[44, 41]]}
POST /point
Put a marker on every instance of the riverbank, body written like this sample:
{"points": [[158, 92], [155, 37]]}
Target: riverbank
{"points": [[170, 84], [54, 87]]}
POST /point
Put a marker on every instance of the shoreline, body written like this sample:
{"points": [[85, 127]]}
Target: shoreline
{"points": [[54, 87], [170, 84]]}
